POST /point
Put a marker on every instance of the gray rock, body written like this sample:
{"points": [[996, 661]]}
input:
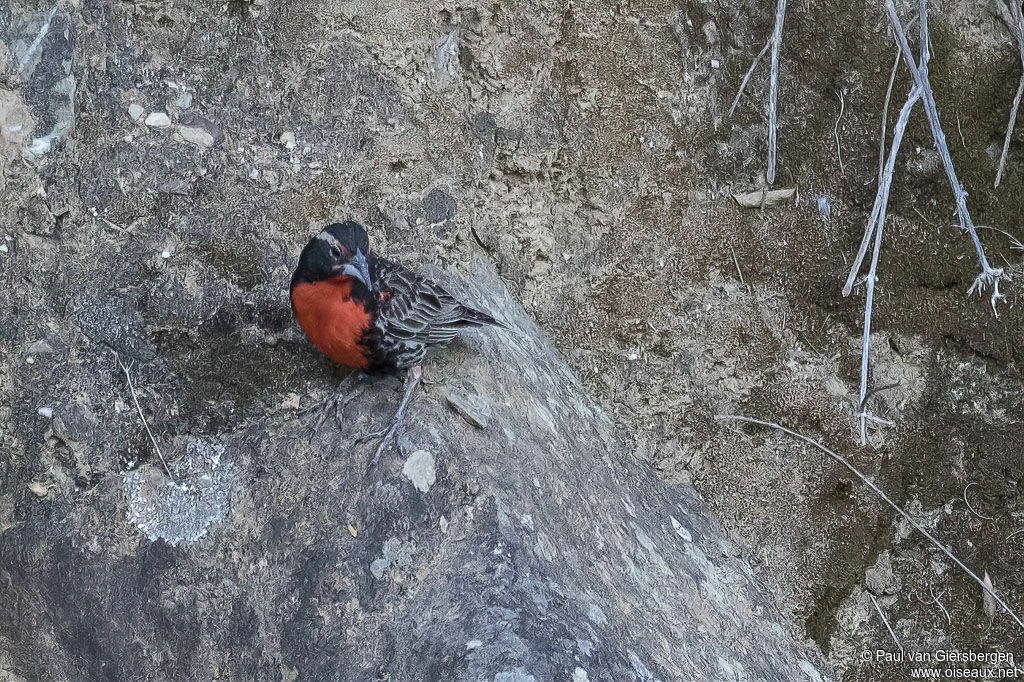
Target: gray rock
{"points": [[197, 136], [158, 119], [473, 408], [135, 111], [43, 45], [439, 206], [536, 548]]}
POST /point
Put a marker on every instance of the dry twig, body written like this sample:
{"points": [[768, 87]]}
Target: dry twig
{"points": [[876, 223], [775, 44], [135, 398], [746, 78], [989, 276], [773, 93], [842, 110], [1014, 20], [980, 516], [949, 619], [878, 491], [886, 621]]}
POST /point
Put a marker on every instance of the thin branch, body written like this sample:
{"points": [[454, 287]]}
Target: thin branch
{"points": [[746, 78], [737, 264], [135, 398], [989, 276], [1009, 129], [839, 149], [878, 491], [881, 204], [885, 112], [886, 621], [884, 184], [935, 599], [1014, 19], [980, 516], [773, 94]]}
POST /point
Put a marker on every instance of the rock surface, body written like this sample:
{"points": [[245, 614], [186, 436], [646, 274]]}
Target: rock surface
{"points": [[583, 150], [533, 549], [240, 530]]}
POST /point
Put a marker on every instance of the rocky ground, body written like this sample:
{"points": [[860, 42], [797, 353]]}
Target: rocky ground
{"points": [[164, 163]]}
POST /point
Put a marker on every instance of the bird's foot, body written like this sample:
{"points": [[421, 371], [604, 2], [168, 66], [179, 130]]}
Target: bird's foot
{"points": [[412, 378], [350, 388]]}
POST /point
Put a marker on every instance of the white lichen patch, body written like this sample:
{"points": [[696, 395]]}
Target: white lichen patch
{"points": [[394, 553], [183, 509], [419, 469]]}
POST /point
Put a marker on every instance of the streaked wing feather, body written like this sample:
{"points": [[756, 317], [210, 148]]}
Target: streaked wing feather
{"points": [[418, 308]]}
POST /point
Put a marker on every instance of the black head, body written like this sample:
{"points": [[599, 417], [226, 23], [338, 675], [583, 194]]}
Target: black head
{"points": [[339, 250]]}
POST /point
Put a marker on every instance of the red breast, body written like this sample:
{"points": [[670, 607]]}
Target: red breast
{"points": [[332, 320]]}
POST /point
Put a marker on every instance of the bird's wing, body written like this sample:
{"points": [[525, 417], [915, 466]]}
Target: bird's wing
{"points": [[419, 309]]}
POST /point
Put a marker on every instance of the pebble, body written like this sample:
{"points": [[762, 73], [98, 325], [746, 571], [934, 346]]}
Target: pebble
{"points": [[40, 347], [197, 136], [46, 412], [3, 248], [473, 409], [135, 111], [710, 31], [165, 255], [158, 119], [199, 130], [254, 174], [288, 140], [183, 100]]}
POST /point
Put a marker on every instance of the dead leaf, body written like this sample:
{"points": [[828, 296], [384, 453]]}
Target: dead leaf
{"points": [[38, 488], [988, 601], [762, 198], [352, 530]]}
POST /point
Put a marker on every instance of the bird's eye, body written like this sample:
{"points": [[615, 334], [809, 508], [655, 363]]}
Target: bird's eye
{"points": [[336, 252]]}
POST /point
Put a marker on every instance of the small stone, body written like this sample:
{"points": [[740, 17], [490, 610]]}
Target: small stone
{"points": [[473, 408], [38, 489], [135, 111], [254, 174], [197, 136], [288, 140], [715, 64], [183, 100], [3, 248], [419, 469], [46, 412], [158, 119], [710, 31], [199, 130], [30, 360], [165, 255], [40, 347]]}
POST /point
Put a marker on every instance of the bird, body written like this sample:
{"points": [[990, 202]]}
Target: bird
{"points": [[372, 314]]}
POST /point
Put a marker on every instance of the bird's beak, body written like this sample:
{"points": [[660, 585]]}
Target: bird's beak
{"points": [[358, 268]]}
